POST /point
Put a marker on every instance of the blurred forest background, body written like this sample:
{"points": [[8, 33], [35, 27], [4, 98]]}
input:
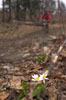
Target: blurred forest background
{"points": [[30, 9]]}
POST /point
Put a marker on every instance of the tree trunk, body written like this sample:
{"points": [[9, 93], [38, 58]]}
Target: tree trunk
{"points": [[17, 9], [9, 10], [3, 11]]}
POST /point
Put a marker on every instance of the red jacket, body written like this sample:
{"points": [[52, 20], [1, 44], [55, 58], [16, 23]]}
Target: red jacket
{"points": [[46, 16]]}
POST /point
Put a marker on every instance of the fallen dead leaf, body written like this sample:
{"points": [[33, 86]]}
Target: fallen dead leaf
{"points": [[46, 50], [15, 83], [3, 95]]}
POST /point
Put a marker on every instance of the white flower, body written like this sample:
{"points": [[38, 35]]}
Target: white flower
{"points": [[36, 77], [43, 77]]}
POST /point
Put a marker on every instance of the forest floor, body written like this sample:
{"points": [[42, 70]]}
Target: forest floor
{"points": [[20, 46]]}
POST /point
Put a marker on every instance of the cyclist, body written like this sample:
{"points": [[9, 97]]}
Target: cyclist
{"points": [[45, 18]]}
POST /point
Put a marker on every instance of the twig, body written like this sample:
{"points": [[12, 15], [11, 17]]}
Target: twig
{"points": [[54, 61]]}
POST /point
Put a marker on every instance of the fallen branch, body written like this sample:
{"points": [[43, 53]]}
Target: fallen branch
{"points": [[54, 61]]}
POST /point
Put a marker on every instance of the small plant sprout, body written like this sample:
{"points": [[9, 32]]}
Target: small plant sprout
{"points": [[36, 77], [23, 92]]}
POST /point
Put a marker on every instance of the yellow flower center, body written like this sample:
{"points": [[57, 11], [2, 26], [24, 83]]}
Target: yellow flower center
{"points": [[44, 76], [37, 78]]}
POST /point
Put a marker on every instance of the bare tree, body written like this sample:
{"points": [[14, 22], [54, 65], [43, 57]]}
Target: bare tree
{"points": [[3, 11], [63, 7], [9, 10], [17, 9]]}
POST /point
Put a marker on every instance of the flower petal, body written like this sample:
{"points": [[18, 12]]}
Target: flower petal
{"points": [[44, 74], [40, 78], [44, 81], [34, 76], [33, 80]]}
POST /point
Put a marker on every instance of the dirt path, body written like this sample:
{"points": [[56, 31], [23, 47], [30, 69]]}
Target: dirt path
{"points": [[14, 40]]}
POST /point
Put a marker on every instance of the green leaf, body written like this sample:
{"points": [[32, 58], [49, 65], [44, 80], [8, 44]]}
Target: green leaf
{"points": [[38, 90], [21, 95], [24, 86], [1, 90], [41, 58], [24, 90]]}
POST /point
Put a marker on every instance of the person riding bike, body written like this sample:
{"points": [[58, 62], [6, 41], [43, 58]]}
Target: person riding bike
{"points": [[45, 18]]}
